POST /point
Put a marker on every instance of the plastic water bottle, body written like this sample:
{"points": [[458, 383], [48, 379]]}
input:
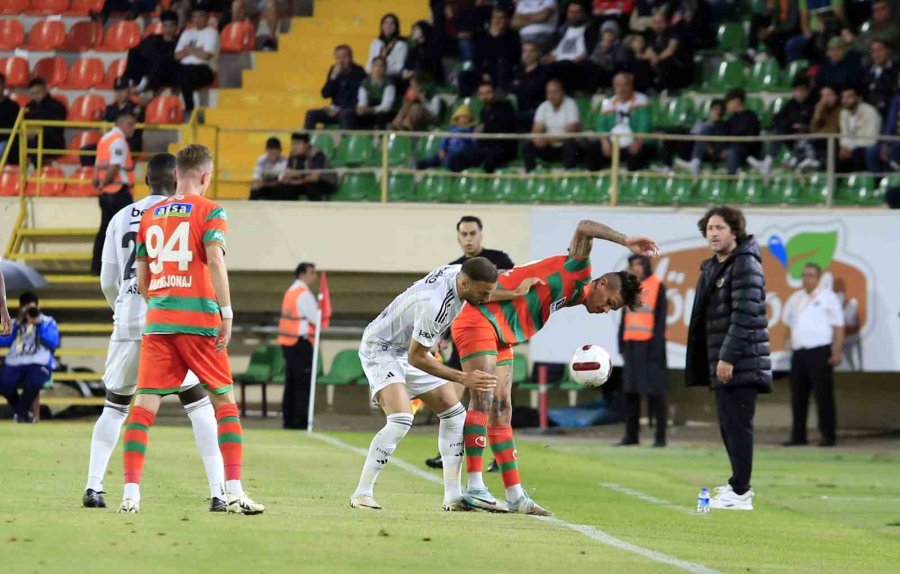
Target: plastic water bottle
{"points": [[703, 500]]}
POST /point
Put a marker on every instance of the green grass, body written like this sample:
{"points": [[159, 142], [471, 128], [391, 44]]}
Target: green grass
{"points": [[308, 526]]}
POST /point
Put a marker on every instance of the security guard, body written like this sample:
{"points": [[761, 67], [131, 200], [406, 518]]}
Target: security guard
{"points": [[113, 177], [296, 331]]}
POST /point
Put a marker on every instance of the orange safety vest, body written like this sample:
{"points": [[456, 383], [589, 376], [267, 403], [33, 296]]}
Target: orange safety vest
{"points": [[291, 322], [639, 323], [103, 157]]}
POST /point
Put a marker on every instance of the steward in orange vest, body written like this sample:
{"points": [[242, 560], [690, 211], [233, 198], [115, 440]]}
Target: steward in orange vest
{"points": [[296, 331]]}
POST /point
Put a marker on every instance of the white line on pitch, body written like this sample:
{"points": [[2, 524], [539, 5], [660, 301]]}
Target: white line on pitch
{"points": [[646, 497], [589, 531]]}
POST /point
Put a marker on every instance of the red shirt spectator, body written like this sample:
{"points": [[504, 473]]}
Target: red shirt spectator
{"points": [[613, 7]]}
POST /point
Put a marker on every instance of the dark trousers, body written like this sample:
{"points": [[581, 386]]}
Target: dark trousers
{"points": [[110, 204], [350, 120], [856, 162], [656, 410], [297, 379], [736, 407], [319, 116], [633, 161], [192, 77], [810, 371], [569, 152], [31, 378]]}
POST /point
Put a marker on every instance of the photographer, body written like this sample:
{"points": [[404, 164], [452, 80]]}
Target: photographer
{"points": [[33, 340]]}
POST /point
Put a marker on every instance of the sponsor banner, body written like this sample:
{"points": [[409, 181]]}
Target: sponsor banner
{"points": [[857, 252]]}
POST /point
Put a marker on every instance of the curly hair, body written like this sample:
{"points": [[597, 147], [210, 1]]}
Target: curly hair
{"points": [[733, 217]]}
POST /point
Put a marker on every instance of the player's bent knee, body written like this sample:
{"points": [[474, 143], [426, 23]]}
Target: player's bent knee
{"points": [[191, 395], [118, 399]]}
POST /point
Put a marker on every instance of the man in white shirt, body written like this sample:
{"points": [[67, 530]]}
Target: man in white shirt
{"points": [[815, 318], [536, 21], [268, 170], [556, 116], [196, 54], [860, 126], [578, 37]]}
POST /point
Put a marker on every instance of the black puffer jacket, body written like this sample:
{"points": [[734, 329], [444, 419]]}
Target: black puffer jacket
{"points": [[729, 322]]}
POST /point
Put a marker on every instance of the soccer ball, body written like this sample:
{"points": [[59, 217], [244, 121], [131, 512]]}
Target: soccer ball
{"points": [[590, 366]]}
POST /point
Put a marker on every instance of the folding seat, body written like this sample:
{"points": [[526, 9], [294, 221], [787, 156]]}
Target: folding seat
{"points": [[46, 35], [121, 36], [82, 36], [116, 69], [9, 181], [48, 7], [84, 7], [13, 6], [15, 69], [81, 139], [84, 74], [237, 37], [12, 34], [84, 187], [47, 189], [53, 70], [87, 108], [165, 110]]}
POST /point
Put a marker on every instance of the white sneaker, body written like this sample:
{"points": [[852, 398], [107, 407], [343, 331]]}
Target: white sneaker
{"points": [[721, 489], [728, 500], [809, 164], [243, 505], [129, 505], [692, 166], [364, 501], [456, 506]]}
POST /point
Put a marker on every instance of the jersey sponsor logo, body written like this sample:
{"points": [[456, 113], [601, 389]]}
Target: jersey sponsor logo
{"points": [[433, 278], [132, 289], [480, 441], [166, 281], [173, 210], [557, 305], [426, 334], [135, 212]]}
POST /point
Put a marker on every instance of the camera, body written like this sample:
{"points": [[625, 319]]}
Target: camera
{"points": [[33, 312]]}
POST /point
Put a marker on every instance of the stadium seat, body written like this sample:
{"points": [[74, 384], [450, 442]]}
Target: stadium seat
{"points": [[82, 36], [816, 189], [570, 190], [48, 7], [726, 76], [713, 189], [61, 98], [427, 146], [87, 108], [259, 372], [731, 37], [324, 142], [794, 68], [84, 187], [121, 36], [46, 35], [9, 181], [20, 98], [501, 187], [80, 140], [400, 149], [47, 189], [165, 110], [12, 34], [537, 189], [84, 74], [857, 189], [471, 189], [751, 190], [435, 187], [776, 104], [53, 70], [677, 112], [401, 187], [237, 37], [83, 7], [346, 369], [15, 69], [520, 369], [585, 113], [115, 70], [790, 188], [13, 6], [679, 189], [358, 187], [154, 29], [598, 189], [354, 150], [757, 106], [635, 189], [765, 76]]}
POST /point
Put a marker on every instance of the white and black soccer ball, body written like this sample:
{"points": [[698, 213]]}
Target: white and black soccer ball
{"points": [[591, 366]]}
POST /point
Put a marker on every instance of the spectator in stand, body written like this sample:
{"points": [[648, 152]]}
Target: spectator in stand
{"points": [[881, 77], [569, 60], [714, 151], [536, 21], [268, 170], [45, 107], [618, 11], [637, 63], [296, 179], [151, 64], [374, 101], [741, 122], [497, 117], [883, 26], [841, 69], [693, 21], [424, 54], [819, 20], [196, 53], [860, 126], [669, 56], [774, 26], [625, 114], [9, 112], [557, 116], [421, 105], [610, 55], [885, 155], [496, 55], [530, 85], [642, 14], [451, 147], [130, 8], [123, 103], [341, 85], [389, 46], [826, 120], [265, 12], [794, 118]]}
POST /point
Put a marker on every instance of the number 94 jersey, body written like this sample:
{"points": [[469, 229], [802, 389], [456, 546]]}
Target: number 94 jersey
{"points": [[172, 238]]}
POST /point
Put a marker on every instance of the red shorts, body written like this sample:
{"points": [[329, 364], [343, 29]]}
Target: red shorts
{"points": [[166, 359], [473, 336]]}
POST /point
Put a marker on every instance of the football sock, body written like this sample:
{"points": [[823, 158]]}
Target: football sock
{"points": [[203, 420], [504, 449], [231, 438], [381, 449], [136, 439], [475, 440], [450, 444], [103, 441]]}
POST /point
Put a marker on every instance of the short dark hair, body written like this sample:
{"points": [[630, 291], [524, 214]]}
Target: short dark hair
{"points": [[736, 94], [344, 47], [469, 219], [27, 298], [299, 137], [733, 217], [717, 102], [38, 81], [629, 287], [800, 81], [161, 174], [168, 16], [480, 269], [273, 143], [850, 88], [303, 268], [815, 266], [126, 113]]}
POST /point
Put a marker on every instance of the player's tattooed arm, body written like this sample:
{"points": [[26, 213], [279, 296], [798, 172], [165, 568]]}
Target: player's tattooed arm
{"points": [[520, 291], [421, 358], [588, 230]]}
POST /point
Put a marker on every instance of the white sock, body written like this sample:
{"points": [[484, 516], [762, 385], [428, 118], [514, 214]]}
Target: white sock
{"points": [[450, 445], [103, 442], [132, 491], [234, 487], [203, 419], [514, 492], [381, 449], [475, 481]]}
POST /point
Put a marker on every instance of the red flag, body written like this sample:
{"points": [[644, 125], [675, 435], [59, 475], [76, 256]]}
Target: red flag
{"points": [[324, 300]]}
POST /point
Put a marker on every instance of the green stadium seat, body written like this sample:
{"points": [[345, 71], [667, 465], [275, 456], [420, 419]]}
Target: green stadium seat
{"points": [[358, 187], [679, 189], [678, 112], [790, 189], [713, 189], [816, 190], [726, 76], [401, 187], [520, 369], [571, 190], [324, 142], [538, 189], [753, 190], [857, 189], [731, 37], [355, 150], [259, 372], [794, 68], [777, 104], [758, 106], [472, 189], [346, 369], [639, 189], [435, 187], [427, 146], [629, 192], [501, 188], [892, 180], [400, 150], [597, 190], [765, 76], [656, 111]]}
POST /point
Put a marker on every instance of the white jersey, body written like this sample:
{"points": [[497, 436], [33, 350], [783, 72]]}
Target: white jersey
{"points": [[119, 252], [421, 313]]}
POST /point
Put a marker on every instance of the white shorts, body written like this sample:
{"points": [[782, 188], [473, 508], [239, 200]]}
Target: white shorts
{"points": [[384, 368], [120, 374]]}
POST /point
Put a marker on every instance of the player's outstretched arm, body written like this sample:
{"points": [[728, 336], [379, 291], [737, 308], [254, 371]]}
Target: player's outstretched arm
{"points": [[218, 273], [520, 291], [421, 358], [588, 230]]}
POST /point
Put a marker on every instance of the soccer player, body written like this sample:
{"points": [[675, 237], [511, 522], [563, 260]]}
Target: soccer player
{"points": [[485, 335], [180, 251], [395, 357], [118, 281]]}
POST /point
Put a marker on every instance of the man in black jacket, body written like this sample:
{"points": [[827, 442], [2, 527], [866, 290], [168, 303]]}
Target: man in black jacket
{"points": [[45, 107], [741, 122], [728, 343], [793, 118], [9, 112], [497, 117], [342, 86]]}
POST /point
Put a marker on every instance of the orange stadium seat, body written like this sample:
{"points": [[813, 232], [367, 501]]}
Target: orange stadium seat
{"points": [[13, 6], [82, 36], [12, 34], [21, 98], [46, 35], [81, 139], [48, 7], [53, 70], [115, 70], [61, 98], [238, 37], [121, 36], [48, 189], [87, 108], [82, 7], [16, 71], [85, 73], [155, 28], [9, 181], [165, 110], [84, 187]]}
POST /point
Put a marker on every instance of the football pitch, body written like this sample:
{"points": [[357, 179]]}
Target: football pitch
{"points": [[617, 510]]}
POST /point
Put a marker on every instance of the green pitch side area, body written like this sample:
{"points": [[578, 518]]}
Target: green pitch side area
{"points": [[618, 510]]}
